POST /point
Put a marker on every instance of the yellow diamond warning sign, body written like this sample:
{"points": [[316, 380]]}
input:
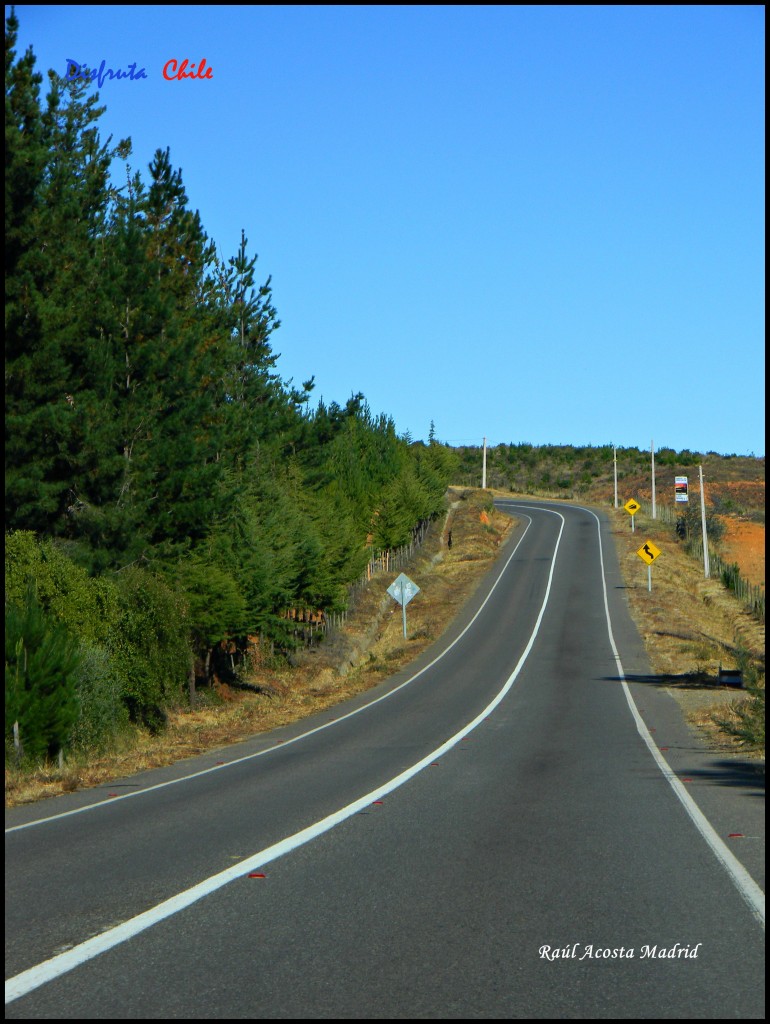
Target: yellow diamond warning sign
{"points": [[632, 507], [648, 552]]}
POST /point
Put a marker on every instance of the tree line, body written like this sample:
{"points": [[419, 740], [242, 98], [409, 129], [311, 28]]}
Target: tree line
{"points": [[576, 471], [166, 490]]}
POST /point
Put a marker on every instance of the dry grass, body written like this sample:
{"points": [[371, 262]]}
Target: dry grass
{"points": [[691, 626], [370, 647]]}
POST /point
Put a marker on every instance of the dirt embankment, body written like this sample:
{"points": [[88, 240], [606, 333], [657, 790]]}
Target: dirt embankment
{"points": [[744, 544]]}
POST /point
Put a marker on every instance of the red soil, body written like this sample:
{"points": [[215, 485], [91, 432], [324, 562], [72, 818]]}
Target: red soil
{"points": [[744, 543]]}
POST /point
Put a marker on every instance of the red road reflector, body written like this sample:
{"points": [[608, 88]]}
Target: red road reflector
{"points": [[735, 835], [112, 794], [686, 780], [664, 748], [256, 874], [377, 801]]}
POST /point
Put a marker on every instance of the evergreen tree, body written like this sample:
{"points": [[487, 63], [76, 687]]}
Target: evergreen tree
{"points": [[32, 377], [174, 474], [56, 219], [41, 668]]}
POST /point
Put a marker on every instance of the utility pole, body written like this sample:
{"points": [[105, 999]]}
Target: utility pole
{"points": [[652, 455], [484, 470], [615, 461], [706, 566]]}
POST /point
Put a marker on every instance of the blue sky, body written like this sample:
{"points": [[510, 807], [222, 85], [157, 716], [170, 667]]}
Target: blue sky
{"points": [[540, 224]]}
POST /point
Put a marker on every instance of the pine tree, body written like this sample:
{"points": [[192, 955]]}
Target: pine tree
{"points": [[32, 375], [57, 197], [41, 667]]}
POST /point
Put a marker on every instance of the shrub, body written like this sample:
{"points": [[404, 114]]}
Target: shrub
{"points": [[131, 633], [102, 712], [87, 607], [747, 722], [747, 719], [689, 524], [149, 646]]}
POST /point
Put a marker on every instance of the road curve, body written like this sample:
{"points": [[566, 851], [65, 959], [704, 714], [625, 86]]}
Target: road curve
{"points": [[488, 835]]}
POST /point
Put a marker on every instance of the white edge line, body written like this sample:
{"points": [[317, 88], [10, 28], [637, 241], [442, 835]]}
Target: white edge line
{"points": [[745, 884], [111, 801], [25, 982]]}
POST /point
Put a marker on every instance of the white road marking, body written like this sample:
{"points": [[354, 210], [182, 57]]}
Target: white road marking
{"points": [[27, 981]]}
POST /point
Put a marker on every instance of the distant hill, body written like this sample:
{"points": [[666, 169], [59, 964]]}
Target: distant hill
{"points": [[735, 484]]}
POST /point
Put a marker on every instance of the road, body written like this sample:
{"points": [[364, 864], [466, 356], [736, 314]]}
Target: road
{"points": [[491, 834]]}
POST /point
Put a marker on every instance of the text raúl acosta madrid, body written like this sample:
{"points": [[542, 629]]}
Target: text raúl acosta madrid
{"points": [[577, 951]]}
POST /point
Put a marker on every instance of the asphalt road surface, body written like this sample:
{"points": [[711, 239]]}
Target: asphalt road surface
{"points": [[519, 826]]}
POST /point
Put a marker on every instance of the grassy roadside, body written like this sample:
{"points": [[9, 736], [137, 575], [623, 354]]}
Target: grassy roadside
{"points": [[690, 626]]}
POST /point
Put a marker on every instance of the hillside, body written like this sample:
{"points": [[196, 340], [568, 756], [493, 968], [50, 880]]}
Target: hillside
{"points": [[735, 484]]}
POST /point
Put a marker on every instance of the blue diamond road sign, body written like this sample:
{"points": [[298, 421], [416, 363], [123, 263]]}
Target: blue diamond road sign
{"points": [[402, 589]]}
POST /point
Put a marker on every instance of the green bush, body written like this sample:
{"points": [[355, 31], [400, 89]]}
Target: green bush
{"points": [[149, 646], [86, 606], [87, 610], [130, 633], [103, 714]]}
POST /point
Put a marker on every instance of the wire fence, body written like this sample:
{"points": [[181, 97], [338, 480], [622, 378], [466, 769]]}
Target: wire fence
{"points": [[311, 626], [751, 595]]}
